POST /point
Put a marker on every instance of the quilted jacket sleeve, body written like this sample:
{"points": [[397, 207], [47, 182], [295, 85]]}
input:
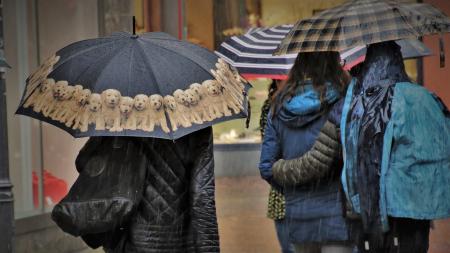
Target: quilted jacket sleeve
{"points": [[204, 222], [314, 164]]}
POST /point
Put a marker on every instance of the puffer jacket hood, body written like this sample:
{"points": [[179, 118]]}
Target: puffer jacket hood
{"points": [[305, 107]]}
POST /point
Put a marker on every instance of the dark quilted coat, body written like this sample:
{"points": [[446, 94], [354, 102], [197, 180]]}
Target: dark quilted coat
{"points": [[177, 210]]}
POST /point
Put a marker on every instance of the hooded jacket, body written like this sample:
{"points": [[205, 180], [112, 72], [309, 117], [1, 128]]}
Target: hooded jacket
{"points": [[314, 210], [412, 159], [415, 164]]}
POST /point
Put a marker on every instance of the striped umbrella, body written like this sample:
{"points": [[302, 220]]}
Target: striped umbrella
{"points": [[362, 22], [252, 53]]}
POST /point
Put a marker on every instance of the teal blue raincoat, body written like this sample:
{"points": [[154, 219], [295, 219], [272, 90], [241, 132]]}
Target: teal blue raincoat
{"points": [[415, 168]]}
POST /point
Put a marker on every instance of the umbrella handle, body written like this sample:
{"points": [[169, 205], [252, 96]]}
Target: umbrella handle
{"points": [[249, 115]]}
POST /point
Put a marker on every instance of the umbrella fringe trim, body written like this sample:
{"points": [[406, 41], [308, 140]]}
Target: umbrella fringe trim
{"points": [[82, 109]]}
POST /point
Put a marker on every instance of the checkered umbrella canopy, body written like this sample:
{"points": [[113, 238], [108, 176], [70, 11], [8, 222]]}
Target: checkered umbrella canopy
{"points": [[363, 22]]}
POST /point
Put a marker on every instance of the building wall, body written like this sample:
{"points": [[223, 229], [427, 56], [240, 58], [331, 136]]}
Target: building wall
{"points": [[169, 18], [19, 40], [62, 23], [33, 31], [199, 22], [275, 12], [436, 78]]}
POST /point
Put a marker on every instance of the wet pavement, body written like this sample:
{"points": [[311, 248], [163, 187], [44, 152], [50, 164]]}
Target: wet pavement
{"points": [[440, 237], [241, 210], [243, 226]]}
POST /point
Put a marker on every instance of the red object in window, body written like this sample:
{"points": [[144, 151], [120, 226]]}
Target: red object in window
{"points": [[54, 189]]}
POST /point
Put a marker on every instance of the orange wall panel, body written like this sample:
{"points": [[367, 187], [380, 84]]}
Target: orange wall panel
{"points": [[435, 78], [200, 23]]}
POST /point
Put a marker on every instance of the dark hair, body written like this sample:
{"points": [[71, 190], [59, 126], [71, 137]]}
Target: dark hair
{"points": [[272, 89], [356, 70], [320, 67]]}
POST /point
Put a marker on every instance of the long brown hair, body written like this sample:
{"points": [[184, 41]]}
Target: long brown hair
{"points": [[320, 68]]}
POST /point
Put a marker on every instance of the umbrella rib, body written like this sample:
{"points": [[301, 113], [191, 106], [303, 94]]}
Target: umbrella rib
{"points": [[130, 63], [405, 20], [150, 68], [184, 55], [82, 52], [171, 135], [84, 71], [107, 64]]}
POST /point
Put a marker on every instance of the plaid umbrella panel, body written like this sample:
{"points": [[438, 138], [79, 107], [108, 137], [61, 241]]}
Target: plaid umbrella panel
{"points": [[363, 22]]}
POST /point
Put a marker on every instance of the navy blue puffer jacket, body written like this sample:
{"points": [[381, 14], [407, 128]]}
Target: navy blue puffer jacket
{"points": [[314, 211]]}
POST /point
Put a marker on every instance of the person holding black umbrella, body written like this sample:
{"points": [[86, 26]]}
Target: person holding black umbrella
{"points": [[138, 194], [147, 102]]}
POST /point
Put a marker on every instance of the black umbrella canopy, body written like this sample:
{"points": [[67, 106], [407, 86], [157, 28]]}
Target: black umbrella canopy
{"points": [[363, 22], [134, 85]]}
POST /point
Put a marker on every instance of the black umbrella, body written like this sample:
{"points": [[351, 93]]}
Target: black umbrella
{"points": [[128, 85]]}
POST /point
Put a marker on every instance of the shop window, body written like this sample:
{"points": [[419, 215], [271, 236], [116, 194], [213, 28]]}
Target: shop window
{"points": [[116, 15], [235, 131], [23, 143], [41, 156]]}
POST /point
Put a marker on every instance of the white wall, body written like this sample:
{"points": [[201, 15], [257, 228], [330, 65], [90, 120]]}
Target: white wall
{"points": [[62, 22], [58, 23]]}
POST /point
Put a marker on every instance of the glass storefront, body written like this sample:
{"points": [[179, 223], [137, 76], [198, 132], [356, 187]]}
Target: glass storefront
{"points": [[41, 156], [24, 147]]}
